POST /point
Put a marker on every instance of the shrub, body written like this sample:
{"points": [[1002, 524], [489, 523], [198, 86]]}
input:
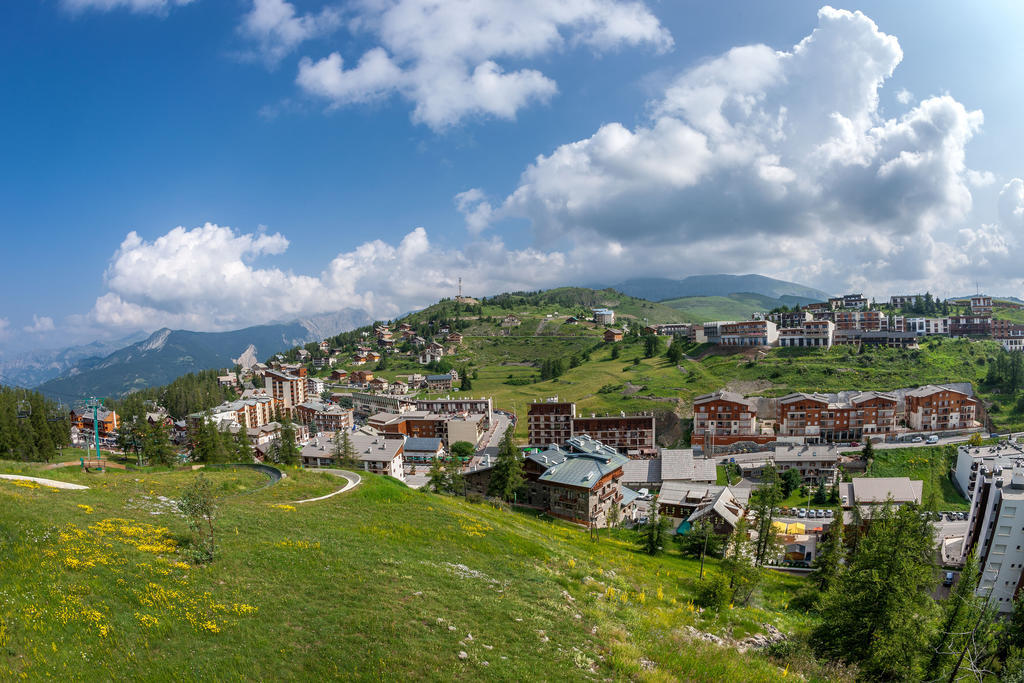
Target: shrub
{"points": [[713, 592], [475, 498]]}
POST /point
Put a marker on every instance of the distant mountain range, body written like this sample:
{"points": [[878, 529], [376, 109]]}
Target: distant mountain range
{"points": [[31, 368], [662, 289], [167, 354]]}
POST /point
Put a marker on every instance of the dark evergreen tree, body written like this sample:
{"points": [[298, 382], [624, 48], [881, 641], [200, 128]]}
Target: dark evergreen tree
{"points": [[654, 533], [507, 473], [880, 615]]}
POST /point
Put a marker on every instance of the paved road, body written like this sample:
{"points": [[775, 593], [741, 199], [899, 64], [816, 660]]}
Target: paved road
{"points": [[353, 480], [909, 444], [53, 483], [499, 424]]}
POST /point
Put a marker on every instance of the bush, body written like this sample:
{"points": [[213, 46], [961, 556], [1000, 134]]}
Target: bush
{"points": [[475, 498], [713, 592]]}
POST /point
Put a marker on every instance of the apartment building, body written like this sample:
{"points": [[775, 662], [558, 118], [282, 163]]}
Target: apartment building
{"points": [[604, 316], [287, 389], [810, 334], [723, 418], [365, 404], [632, 434], [580, 481], [426, 425], [995, 527], [901, 300], [937, 408], [819, 311], [453, 406], [712, 331], [586, 484], [549, 422], [673, 329], [973, 460], [250, 412], [920, 326], [883, 339], [1005, 329], [328, 417], [974, 325], [819, 420], [749, 333], [553, 422], [790, 318], [981, 304], [849, 302], [866, 321]]}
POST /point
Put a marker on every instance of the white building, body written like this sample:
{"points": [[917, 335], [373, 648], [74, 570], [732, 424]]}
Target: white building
{"points": [[995, 525]]}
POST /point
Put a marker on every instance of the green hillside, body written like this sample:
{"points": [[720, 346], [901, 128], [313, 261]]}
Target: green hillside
{"points": [[508, 370], [730, 307], [378, 583]]}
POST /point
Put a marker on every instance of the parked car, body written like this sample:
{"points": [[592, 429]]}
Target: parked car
{"points": [[829, 513], [934, 438], [948, 581], [644, 494], [916, 439], [801, 514]]}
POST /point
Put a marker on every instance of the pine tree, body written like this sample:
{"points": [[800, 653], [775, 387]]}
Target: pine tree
{"points": [[507, 473], [960, 610], [867, 454], [436, 478], [650, 346], [453, 481], [156, 445], [820, 494], [879, 614], [738, 564], [654, 533], [289, 452], [830, 563], [343, 453], [763, 503], [675, 352], [243, 446]]}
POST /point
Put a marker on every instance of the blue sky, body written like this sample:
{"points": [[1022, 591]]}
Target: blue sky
{"points": [[304, 182]]}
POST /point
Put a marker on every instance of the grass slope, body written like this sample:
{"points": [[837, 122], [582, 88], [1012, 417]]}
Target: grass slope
{"points": [[930, 464], [728, 307], [381, 582]]}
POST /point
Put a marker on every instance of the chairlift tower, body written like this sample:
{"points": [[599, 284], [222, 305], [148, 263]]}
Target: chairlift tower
{"points": [[95, 404]]}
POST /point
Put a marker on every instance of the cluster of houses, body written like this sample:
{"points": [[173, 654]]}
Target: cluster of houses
{"points": [[723, 419], [850, 320]]}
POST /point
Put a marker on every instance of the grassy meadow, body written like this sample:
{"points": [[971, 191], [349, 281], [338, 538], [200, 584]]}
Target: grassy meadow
{"points": [[380, 582], [930, 464]]}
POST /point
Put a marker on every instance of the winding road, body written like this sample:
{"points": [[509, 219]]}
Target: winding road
{"points": [[353, 481]]}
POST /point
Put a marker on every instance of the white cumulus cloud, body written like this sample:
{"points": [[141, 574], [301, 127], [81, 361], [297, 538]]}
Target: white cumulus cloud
{"points": [[40, 324], [278, 29], [204, 279], [772, 161], [445, 55]]}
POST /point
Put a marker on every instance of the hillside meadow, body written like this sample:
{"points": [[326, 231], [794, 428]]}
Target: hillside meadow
{"points": [[380, 582]]}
